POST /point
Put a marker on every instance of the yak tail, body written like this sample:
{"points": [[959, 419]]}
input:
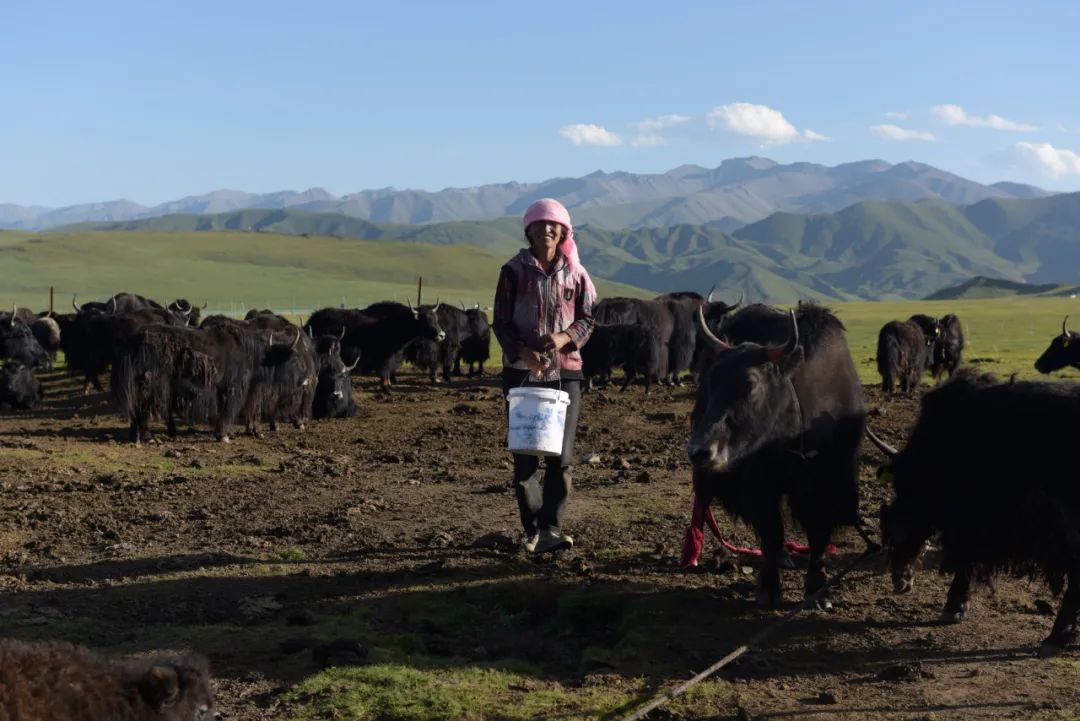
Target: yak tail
{"points": [[122, 386], [889, 360]]}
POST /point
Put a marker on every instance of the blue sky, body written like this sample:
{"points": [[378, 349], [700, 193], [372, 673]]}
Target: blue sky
{"points": [[151, 101]]}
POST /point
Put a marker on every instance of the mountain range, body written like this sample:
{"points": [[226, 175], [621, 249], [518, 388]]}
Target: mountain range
{"points": [[738, 192], [868, 250]]}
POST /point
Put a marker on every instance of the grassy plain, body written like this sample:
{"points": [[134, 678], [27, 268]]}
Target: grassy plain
{"points": [[1003, 335], [235, 270]]}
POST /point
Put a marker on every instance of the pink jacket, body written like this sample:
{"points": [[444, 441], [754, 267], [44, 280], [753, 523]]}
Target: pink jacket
{"points": [[530, 304]]}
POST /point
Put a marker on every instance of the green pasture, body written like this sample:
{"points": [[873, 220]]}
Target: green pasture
{"points": [[234, 271], [1003, 335]]}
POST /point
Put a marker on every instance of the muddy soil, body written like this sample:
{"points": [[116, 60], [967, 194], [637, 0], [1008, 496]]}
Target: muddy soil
{"points": [[399, 527]]}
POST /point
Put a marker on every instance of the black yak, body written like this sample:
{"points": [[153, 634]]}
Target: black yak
{"points": [[987, 470], [54, 681], [902, 355], [779, 412]]}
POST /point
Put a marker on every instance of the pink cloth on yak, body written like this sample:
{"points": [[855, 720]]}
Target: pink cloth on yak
{"points": [[554, 211]]}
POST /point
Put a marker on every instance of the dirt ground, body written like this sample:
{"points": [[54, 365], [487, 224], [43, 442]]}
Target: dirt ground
{"points": [[398, 528]]}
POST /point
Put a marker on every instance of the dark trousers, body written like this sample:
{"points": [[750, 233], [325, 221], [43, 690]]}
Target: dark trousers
{"points": [[542, 507]]}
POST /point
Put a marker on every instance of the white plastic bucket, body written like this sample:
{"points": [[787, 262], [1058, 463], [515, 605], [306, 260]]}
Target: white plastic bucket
{"points": [[537, 420]]}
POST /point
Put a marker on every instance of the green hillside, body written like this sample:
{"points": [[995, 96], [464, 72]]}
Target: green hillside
{"points": [[233, 270], [870, 250]]}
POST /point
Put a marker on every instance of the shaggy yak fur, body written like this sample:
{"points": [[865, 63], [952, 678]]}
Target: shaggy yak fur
{"points": [[988, 469], [53, 681], [902, 355]]}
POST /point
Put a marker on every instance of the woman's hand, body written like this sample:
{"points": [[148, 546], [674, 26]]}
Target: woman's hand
{"points": [[556, 341], [536, 362]]}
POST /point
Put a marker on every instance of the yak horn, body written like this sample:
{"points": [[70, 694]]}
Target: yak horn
{"points": [[737, 304], [205, 303], [709, 335], [355, 363], [296, 339], [74, 304], [881, 445], [112, 301], [341, 336], [14, 308], [271, 337], [437, 304], [1064, 330], [775, 354], [708, 298]]}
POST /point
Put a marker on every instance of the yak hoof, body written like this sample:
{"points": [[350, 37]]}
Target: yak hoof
{"points": [[823, 604], [952, 617], [1049, 650], [769, 599], [224, 439], [1056, 642]]}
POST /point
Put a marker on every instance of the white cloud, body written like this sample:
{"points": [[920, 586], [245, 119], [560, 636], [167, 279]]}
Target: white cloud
{"points": [[1048, 160], [648, 140], [1065, 129], [648, 131], [758, 121], [589, 134], [661, 123], [895, 132], [955, 115], [897, 115], [814, 136]]}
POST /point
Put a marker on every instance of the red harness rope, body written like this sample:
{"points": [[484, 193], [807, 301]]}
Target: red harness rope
{"points": [[694, 539]]}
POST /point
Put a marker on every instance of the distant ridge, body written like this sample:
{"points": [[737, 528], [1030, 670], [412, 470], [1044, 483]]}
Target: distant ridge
{"points": [[980, 287], [870, 250], [737, 192]]}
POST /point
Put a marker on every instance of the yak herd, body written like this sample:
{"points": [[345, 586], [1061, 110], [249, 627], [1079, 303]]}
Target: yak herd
{"points": [[779, 414]]}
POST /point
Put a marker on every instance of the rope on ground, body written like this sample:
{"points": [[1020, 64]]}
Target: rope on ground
{"points": [[659, 701]]}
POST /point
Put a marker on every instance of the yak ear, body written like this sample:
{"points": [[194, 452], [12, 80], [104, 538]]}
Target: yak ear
{"points": [[160, 687], [791, 361]]}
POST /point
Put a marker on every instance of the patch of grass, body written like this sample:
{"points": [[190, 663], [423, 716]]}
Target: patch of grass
{"points": [[28, 454], [399, 692], [292, 554]]}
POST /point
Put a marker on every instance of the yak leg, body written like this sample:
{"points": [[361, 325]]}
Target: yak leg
{"points": [[140, 426], [448, 365], [628, 377], [94, 380], [1064, 631], [815, 572], [170, 425], [771, 531], [956, 603], [221, 426]]}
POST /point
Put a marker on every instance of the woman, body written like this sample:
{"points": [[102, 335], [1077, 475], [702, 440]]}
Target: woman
{"points": [[543, 316]]}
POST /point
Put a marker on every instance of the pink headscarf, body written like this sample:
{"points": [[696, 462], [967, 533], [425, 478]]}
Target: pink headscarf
{"points": [[552, 210]]}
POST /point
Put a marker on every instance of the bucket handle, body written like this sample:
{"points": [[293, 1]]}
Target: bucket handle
{"points": [[529, 375]]}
